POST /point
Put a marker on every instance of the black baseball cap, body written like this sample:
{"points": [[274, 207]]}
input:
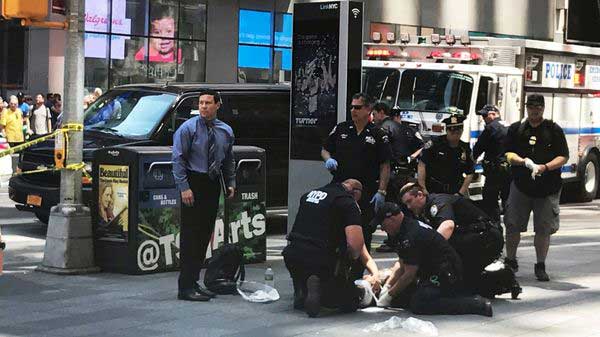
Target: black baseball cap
{"points": [[486, 109], [535, 99], [387, 210]]}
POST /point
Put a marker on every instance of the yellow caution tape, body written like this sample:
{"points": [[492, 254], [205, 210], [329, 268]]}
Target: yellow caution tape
{"points": [[64, 129]]}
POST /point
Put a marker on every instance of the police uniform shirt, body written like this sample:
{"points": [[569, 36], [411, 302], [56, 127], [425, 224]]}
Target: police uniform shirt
{"points": [[447, 164], [441, 207], [359, 156], [318, 231], [419, 244], [491, 141], [404, 140], [541, 144]]}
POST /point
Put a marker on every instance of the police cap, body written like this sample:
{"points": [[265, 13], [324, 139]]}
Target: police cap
{"points": [[387, 210], [486, 109], [455, 120], [535, 100]]}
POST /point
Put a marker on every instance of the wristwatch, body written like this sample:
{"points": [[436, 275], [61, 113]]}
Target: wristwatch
{"points": [[382, 192]]}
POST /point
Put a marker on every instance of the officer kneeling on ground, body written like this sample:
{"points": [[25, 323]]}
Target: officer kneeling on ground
{"points": [[428, 276], [326, 242], [477, 239]]}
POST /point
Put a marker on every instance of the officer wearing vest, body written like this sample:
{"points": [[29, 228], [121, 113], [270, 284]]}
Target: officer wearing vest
{"points": [[477, 239], [446, 159], [360, 150], [326, 241], [495, 167], [537, 150], [428, 278]]}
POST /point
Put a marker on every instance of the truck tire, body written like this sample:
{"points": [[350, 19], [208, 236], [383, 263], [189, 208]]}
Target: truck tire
{"points": [[43, 217], [588, 178]]}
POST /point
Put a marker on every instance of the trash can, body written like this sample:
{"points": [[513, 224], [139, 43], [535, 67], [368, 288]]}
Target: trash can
{"points": [[136, 209]]}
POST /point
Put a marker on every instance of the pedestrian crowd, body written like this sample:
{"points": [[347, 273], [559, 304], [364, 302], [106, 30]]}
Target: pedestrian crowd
{"points": [[386, 175]]}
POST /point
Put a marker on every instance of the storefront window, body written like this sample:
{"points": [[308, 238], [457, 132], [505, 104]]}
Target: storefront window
{"points": [[192, 20], [264, 51], [130, 65], [133, 41]]}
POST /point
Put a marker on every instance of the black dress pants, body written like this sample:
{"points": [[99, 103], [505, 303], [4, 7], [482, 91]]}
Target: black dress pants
{"points": [[197, 225]]}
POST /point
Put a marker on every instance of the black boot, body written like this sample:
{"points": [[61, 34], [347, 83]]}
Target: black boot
{"points": [[540, 272], [312, 303], [512, 264], [298, 294]]}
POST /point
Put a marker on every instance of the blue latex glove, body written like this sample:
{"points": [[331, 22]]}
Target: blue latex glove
{"points": [[379, 200], [331, 164]]}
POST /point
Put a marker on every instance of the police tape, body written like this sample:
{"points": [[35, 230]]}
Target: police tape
{"points": [[64, 130]]}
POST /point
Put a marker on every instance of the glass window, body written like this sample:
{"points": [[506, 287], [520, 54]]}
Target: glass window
{"points": [[283, 30], [129, 16], [484, 83], [282, 65], [128, 113], [254, 64], [97, 15], [187, 108], [382, 84], [193, 61], [96, 61], [128, 60], [255, 27], [427, 90], [192, 20]]}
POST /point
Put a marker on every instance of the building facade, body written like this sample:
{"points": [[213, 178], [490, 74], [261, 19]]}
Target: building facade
{"points": [[228, 41]]}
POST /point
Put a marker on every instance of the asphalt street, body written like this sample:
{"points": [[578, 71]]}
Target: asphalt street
{"points": [[33, 303]]}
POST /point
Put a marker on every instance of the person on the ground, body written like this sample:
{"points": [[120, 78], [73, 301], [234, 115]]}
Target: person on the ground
{"points": [[325, 243], [495, 167], [202, 161], [359, 149], [537, 150], [40, 119], [477, 239], [406, 144], [11, 123], [427, 279], [446, 165]]}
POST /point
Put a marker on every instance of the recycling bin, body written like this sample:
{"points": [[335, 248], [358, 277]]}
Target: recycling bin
{"points": [[136, 209]]}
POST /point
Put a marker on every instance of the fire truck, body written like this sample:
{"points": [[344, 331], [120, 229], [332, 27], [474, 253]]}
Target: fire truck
{"points": [[430, 77]]}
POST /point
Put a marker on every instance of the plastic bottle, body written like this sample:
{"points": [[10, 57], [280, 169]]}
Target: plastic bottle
{"points": [[270, 277]]}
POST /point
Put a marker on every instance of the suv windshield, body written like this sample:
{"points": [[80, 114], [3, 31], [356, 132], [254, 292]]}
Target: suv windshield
{"points": [[431, 90], [128, 113]]}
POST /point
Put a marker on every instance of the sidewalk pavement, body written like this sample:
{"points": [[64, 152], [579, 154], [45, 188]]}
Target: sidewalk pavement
{"points": [[104, 304]]}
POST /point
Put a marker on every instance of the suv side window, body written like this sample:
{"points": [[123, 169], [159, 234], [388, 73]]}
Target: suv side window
{"points": [[185, 110], [258, 115]]}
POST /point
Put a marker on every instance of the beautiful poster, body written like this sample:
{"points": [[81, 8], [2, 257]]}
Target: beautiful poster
{"points": [[113, 202]]}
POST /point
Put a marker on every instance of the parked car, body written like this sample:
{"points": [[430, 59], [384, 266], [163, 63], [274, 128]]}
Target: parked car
{"points": [[149, 114]]}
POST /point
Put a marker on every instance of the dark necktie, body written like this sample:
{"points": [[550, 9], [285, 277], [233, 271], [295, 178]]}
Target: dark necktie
{"points": [[213, 169]]}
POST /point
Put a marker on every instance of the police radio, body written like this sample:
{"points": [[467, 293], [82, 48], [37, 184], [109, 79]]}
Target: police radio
{"points": [[59, 151]]}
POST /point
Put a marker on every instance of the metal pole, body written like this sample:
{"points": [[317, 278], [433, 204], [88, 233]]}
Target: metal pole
{"points": [[69, 243]]}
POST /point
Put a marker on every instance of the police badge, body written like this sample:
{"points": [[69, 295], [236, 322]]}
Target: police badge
{"points": [[433, 210]]}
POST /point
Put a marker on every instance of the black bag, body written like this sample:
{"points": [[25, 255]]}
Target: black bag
{"points": [[226, 267]]}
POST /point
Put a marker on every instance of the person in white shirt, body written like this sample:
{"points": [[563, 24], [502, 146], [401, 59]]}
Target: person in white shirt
{"points": [[40, 119]]}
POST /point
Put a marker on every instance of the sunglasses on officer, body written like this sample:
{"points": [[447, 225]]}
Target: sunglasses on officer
{"points": [[356, 107]]}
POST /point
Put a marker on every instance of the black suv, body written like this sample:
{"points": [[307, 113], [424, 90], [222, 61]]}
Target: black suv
{"points": [[149, 114]]}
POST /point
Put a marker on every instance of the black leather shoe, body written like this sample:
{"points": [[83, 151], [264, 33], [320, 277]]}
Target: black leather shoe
{"points": [[201, 290], [312, 303], [540, 272], [192, 295], [487, 309]]}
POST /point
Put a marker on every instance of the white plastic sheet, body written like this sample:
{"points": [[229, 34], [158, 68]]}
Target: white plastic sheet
{"points": [[257, 292], [410, 324]]}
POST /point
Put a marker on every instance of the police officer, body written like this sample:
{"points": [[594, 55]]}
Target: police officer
{"points": [[325, 242], [495, 166], [428, 278], [445, 159], [537, 150], [476, 238], [358, 149], [202, 161]]}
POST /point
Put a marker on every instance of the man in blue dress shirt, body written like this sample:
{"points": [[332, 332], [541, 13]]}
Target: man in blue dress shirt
{"points": [[202, 154]]}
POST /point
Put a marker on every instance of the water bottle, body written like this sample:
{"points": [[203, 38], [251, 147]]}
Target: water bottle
{"points": [[270, 277]]}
